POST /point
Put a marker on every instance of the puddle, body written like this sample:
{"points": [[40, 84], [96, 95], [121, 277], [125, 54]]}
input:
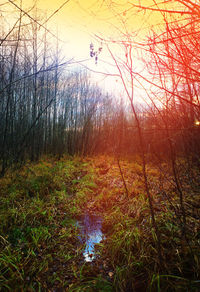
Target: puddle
{"points": [[90, 226]]}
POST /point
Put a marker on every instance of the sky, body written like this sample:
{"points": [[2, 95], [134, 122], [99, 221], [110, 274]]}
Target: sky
{"points": [[80, 22]]}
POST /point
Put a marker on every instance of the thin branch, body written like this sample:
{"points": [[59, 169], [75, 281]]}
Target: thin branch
{"points": [[162, 10], [33, 19]]}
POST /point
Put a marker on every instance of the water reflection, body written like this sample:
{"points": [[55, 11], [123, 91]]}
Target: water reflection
{"points": [[90, 226]]}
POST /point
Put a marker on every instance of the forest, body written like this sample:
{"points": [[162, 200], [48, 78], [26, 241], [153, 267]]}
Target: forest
{"points": [[98, 192]]}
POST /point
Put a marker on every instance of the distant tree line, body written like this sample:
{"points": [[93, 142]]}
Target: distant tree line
{"points": [[45, 109]]}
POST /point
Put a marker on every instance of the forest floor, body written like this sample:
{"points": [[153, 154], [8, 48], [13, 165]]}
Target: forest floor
{"points": [[41, 244]]}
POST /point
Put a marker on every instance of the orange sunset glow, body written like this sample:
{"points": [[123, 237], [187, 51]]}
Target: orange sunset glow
{"points": [[78, 23]]}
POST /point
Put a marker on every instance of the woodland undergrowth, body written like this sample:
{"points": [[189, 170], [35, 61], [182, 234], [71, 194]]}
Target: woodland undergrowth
{"points": [[40, 247]]}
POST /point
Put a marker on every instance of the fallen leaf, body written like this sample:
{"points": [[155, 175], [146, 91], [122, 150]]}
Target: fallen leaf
{"points": [[110, 274]]}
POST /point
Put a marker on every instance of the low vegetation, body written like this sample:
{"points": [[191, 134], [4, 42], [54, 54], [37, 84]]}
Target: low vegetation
{"points": [[40, 246]]}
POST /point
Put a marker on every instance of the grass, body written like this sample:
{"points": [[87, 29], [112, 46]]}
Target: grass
{"points": [[40, 247], [130, 245]]}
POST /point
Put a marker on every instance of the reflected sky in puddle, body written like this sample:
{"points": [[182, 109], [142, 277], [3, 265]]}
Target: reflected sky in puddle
{"points": [[90, 226]]}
